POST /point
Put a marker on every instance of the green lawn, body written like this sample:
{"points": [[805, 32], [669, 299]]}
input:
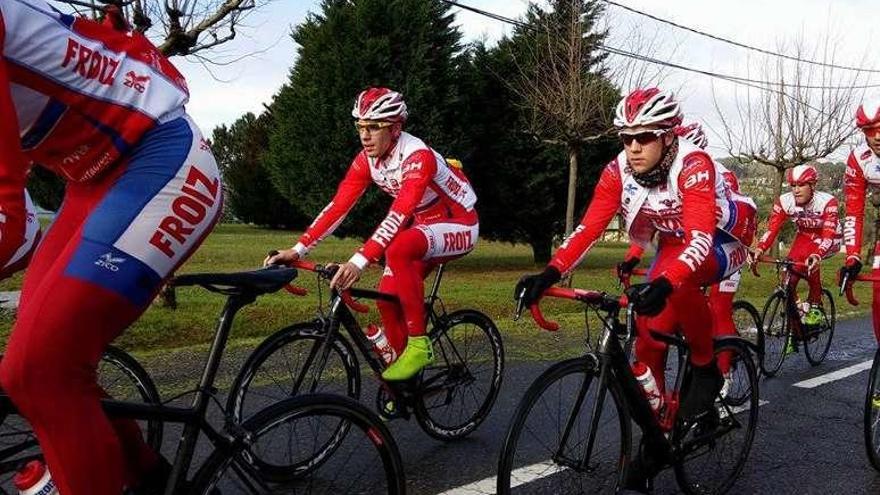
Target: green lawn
{"points": [[483, 280]]}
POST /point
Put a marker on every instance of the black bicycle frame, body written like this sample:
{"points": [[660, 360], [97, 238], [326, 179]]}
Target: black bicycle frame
{"points": [[193, 418]]}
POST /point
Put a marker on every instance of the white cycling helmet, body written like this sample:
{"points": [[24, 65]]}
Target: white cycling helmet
{"points": [[379, 104], [693, 132], [802, 174], [651, 106], [868, 114]]}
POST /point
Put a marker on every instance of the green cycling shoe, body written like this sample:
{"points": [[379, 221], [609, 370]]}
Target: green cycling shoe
{"points": [[814, 317], [417, 355]]}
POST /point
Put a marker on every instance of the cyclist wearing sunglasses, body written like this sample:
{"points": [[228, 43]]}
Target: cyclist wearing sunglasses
{"points": [[99, 105], [721, 295], [432, 220], [862, 172], [661, 185], [814, 213]]}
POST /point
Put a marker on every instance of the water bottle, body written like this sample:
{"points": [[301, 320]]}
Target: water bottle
{"points": [[381, 346], [649, 385], [34, 479]]}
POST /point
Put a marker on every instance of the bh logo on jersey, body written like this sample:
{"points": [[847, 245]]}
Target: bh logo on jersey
{"points": [[109, 262]]}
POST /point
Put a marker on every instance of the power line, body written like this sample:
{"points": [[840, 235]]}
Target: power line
{"points": [[738, 44], [624, 53], [761, 85]]}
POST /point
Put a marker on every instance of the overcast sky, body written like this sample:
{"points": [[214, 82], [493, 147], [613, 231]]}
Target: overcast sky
{"points": [[246, 85]]}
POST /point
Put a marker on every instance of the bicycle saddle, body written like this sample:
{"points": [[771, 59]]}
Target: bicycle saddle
{"points": [[262, 281]]}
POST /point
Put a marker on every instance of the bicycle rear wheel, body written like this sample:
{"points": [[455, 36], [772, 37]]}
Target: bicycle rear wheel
{"points": [[545, 447], [776, 331], [872, 414], [817, 341], [460, 388], [711, 454], [365, 461], [121, 377]]}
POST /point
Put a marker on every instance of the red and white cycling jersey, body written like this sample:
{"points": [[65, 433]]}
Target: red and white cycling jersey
{"points": [[862, 172], [816, 222], [83, 96], [694, 180], [424, 186]]}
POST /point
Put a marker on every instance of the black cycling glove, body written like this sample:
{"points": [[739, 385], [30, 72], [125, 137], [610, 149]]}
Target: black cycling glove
{"points": [[531, 287], [649, 299]]}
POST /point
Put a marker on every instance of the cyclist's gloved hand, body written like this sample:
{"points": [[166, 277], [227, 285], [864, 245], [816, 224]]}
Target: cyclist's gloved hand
{"points": [[625, 268], [530, 287], [649, 299], [852, 268]]}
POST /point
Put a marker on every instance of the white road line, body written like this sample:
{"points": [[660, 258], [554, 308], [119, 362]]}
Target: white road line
{"points": [[527, 474], [835, 375]]}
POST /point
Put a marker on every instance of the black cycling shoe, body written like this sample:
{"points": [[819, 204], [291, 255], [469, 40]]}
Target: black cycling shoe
{"points": [[701, 391]]}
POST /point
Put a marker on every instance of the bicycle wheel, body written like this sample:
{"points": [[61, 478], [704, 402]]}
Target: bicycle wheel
{"points": [[712, 453], [546, 443], [283, 365], [747, 322], [775, 333], [817, 341], [121, 377], [459, 390], [872, 414], [366, 460]]}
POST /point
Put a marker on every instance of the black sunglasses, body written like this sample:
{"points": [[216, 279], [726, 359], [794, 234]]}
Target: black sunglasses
{"points": [[643, 138]]}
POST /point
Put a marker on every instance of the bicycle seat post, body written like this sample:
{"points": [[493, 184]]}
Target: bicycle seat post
{"points": [[435, 289], [189, 437]]}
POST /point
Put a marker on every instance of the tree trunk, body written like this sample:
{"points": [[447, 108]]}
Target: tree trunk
{"points": [[572, 187], [541, 249], [777, 191]]}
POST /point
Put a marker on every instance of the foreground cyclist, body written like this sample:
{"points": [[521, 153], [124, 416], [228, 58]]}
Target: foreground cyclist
{"points": [[814, 214], [662, 186], [432, 220], [862, 172], [721, 295], [105, 110]]}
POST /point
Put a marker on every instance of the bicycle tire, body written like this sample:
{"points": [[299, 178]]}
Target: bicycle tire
{"points": [[872, 414], [695, 481], [606, 466], [260, 366], [775, 332], [318, 408], [132, 381], [456, 374], [817, 344], [747, 321]]}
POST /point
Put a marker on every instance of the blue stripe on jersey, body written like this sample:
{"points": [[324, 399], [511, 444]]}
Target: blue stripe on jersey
{"points": [[158, 158], [44, 124], [118, 143]]}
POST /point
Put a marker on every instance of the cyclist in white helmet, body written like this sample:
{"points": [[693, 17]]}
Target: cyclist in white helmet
{"points": [[431, 220]]}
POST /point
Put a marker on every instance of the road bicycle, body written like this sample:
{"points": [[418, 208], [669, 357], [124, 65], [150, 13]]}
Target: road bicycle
{"points": [[782, 323], [274, 450], [572, 431], [449, 399]]}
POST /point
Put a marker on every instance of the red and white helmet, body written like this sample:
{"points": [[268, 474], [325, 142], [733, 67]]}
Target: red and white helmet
{"points": [[379, 104], [802, 174], [693, 132], [868, 114], [649, 106]]}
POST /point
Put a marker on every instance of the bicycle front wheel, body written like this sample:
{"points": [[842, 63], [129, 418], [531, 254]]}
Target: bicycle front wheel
{"points": [[365, 461], [775, 334], [817, 341], [872, 414], [460, 388], [556, 423], [712, 452]]}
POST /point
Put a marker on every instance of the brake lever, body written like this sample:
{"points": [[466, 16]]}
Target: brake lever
{"points": [[519, 305]]}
